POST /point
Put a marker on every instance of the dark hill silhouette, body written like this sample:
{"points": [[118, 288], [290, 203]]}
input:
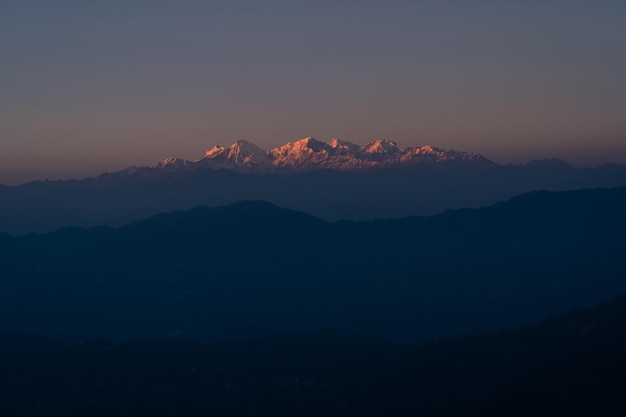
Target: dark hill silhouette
{"points": [[118, 198], [572, 365], [253, 268]]}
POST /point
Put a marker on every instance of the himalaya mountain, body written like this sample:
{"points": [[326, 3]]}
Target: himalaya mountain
{"points": [[335, 180], [309, 154]]}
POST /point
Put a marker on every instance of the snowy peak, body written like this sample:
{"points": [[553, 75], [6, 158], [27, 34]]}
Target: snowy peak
{"points": [[243, 149], [339, 147], [309, 154], [245, 153], [304, 146], [173, 163], [301, 155], [381, 146], [240, 156], [215, 151]]}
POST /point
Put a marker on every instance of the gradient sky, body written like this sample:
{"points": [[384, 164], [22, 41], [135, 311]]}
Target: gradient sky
{"points": [[87, 87]]}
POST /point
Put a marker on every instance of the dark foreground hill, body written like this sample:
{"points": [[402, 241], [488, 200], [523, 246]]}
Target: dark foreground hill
{"points": [[421, 189], [572, 365], [253, 268]]}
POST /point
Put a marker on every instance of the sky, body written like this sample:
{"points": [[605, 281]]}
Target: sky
{"points": [[88, 87]]}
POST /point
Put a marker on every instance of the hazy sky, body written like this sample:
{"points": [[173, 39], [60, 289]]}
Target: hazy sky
{"points": [[90, 86]]}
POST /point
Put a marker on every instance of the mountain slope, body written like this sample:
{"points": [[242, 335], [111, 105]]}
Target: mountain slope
{"points": [[569, 365], [572, 364], [254, 268]]}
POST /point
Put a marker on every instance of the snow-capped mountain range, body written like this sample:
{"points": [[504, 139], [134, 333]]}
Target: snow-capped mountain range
{"points": [[341, 181], [309, 154]]}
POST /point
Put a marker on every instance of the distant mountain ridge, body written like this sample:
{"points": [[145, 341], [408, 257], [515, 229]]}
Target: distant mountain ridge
{"points": [[310, 154], [255, 268]]}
